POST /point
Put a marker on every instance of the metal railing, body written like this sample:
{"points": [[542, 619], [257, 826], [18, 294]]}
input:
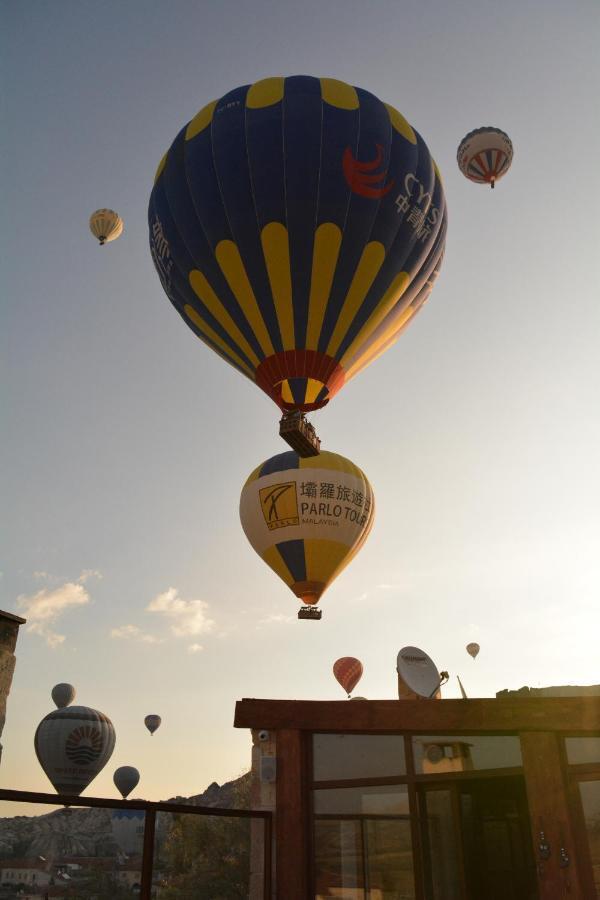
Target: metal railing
{"points": [[150, 809]]}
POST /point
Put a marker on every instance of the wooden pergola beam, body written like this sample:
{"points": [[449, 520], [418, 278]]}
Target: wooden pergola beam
{"points": [[517, 714]]}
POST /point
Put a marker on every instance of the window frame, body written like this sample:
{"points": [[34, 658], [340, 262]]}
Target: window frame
{"points": [[411, 779]]}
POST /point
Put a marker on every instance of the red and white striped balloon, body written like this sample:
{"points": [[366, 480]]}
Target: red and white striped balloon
{"points": [[348, 672]]}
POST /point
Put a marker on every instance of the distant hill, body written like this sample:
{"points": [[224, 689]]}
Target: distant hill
{"points": [[88, 832]]}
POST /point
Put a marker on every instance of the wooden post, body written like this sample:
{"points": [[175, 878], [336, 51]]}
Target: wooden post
{"points": [[549, 811], [292, 863], [148, 855]]}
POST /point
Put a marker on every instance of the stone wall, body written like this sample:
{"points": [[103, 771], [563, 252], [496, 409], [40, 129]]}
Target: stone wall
{"points": [[9, 630], [262, 796]]}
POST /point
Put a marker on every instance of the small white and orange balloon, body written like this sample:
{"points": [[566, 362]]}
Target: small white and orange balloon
{"points": [[473, 649], [348, 671], [106, 225], [485, 155]]}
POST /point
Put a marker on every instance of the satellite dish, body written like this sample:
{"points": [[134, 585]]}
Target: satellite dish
{"points": [[434, 753], [418, 671]]}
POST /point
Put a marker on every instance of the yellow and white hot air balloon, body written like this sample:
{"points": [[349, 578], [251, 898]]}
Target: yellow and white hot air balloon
{"points": [[307, 518], [106, 225]]}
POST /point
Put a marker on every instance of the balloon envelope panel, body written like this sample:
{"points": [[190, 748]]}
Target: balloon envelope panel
{"points": [[307, 518], [288, 219], [73, 745]]}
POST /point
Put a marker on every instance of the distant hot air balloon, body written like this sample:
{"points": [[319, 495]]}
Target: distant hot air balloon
{"points": [[307, 518], [297, 225], [106, 225], [348, 672], [73, 744], [63, 694], [485, 155], [152, 722], [125, 779], [473, 649]]}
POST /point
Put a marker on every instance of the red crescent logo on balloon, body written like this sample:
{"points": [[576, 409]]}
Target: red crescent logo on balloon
{"points": [[361, 176]]}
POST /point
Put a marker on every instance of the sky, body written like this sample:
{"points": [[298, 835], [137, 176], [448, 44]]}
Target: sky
{"points": [[126, 441]]}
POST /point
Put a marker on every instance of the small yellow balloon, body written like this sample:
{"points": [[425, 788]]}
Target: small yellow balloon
{"points": [[106, 225]]}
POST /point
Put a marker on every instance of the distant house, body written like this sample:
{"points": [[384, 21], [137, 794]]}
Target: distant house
{"points": [[28, 872], [129, 874], [128, 829]]}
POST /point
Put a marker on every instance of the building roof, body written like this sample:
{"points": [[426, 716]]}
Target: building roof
{"points": [[12, 617], [33, 863]]}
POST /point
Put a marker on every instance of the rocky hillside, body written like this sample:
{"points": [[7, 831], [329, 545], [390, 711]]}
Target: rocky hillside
{"points": [[88, 832]]}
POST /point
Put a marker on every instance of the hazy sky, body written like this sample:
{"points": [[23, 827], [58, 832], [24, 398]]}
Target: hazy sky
{"points": [[126, 441]]}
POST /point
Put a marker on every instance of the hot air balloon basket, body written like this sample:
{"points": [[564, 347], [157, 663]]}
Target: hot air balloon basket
{"points": [[309, 612], [298, 432]]}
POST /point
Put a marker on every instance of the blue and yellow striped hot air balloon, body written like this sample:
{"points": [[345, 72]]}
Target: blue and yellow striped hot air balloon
{"points": [[307, 518], [297, 225]]}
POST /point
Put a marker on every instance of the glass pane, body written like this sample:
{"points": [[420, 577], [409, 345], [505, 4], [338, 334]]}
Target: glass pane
{"points": [[583, 750], [590, 800], [389, 860], [388, 800], [338, 860], [340, 756], [77, 852], [208, 856], [443, 870], [435, 754]]}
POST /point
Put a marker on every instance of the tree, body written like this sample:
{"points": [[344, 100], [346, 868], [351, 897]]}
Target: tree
{"points": [[207, 856]]}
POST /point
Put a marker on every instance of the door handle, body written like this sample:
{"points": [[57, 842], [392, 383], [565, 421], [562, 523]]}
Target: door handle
{"points": [[544, 847]]}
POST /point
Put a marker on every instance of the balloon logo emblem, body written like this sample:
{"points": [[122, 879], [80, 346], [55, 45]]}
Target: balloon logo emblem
{"points": [[84, 746], [361, 175], [279, 504]]}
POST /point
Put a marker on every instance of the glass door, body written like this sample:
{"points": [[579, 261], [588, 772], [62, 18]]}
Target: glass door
{"points": [[587, 794], [583, 760], [477, 841], [441, 843]]}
